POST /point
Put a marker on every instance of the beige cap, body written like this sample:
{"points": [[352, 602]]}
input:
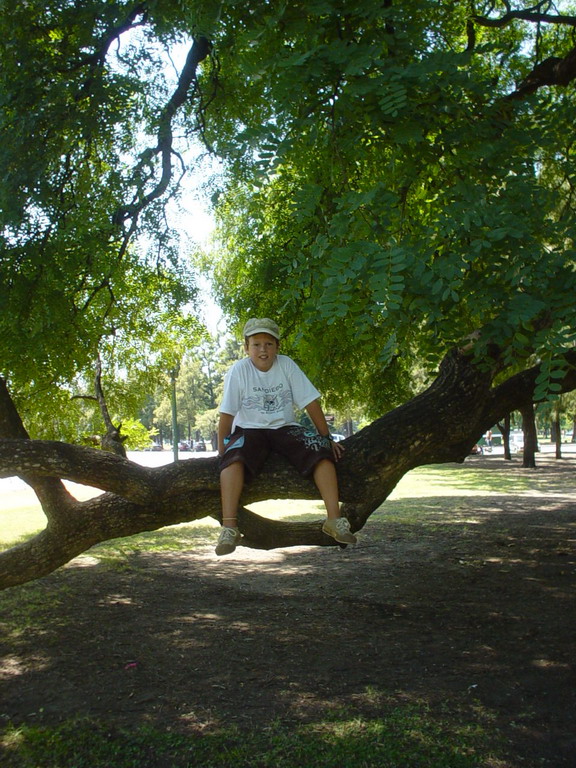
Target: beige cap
{"points": [[261, 325]]}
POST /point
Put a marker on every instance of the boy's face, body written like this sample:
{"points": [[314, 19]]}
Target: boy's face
{"points": [[262, 349]]}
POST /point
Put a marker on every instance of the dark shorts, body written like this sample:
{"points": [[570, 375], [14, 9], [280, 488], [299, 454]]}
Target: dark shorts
{"points": [[303, 447]]}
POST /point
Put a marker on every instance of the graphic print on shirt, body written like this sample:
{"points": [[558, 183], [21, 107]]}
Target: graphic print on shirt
{"points": [[265, 401]]}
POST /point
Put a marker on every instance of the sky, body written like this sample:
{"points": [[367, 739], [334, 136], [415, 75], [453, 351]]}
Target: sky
{"points": [[194, 221], [191, 216], [194, 218]]}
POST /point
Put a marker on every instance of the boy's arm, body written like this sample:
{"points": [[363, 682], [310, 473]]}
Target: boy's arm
{"points": [[314, 410], [224, 429]]}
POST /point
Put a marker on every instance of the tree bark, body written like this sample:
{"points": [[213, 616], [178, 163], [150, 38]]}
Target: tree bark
{"points": [[439, 425], [112, 439], [530, 437], [505, 431], [557, 434]]}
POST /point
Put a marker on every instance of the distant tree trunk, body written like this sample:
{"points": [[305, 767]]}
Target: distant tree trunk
{"points": [[553, 429], [348, 428], [504, 428], [530, 436], [573, 429], [557, 433]]}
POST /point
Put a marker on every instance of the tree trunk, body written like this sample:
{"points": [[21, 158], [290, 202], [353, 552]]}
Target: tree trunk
{"points": [[530, 436], [504, 428], [112, 439], [557, 433], [440, 425]]}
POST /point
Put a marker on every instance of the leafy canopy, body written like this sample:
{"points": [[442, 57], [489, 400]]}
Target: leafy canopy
{"points": [[83, 87], [393, 191], [399, 175]]}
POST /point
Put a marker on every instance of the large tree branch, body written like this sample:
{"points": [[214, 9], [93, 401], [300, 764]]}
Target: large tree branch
{"points": [[49, 490], [439, 425], [135, 18], [90, 522], [103, 470], [552, 71], [531, 14], [555, 70], [197, 53]]}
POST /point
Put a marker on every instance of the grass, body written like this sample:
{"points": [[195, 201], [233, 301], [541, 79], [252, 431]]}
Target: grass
{"points": [[19, 522], [406, 738], [21, 515]]}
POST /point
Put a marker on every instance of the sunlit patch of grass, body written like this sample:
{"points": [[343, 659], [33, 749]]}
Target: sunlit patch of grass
{"points": [[21, 515], [173, 538], [20, 523], [290, 510], [448, 493], [453, 479]]}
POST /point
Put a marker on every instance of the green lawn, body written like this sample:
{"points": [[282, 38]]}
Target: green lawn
{"points": [[405, 739]]}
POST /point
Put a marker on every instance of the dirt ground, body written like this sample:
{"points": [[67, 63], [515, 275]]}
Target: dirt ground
{"points": [[471, 615]]}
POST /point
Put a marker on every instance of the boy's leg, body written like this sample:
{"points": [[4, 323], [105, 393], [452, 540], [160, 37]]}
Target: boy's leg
{"points": [[312, 455], [231, 484], [246, 451], [327, 483]]}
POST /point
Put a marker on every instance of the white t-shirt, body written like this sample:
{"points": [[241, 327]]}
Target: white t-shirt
{"points": [[266, 399]]}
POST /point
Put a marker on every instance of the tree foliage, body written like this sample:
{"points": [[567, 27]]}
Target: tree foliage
{"points": [[399, 176], [80, 104], [410, 181]]}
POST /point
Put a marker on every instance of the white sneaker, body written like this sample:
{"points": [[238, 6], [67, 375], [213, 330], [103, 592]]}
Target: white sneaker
{"points": [[339, 529], [227, 541]]}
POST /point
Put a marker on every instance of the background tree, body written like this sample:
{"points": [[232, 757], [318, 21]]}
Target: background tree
{"points": [[192, 398], [570, 403]]}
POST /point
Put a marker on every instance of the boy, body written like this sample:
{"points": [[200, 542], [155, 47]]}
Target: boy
{"points": [[257, 416]]}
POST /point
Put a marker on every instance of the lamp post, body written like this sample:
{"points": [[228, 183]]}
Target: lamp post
{"points": [[173, 376]]}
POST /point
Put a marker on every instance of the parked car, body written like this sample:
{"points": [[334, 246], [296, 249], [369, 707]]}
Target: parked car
{"points": [[183, 446], [200, 445], [154, 447], [517, 441]]}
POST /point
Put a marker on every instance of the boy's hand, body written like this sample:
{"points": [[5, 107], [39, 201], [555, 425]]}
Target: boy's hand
{"points": [[337, 450]]}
